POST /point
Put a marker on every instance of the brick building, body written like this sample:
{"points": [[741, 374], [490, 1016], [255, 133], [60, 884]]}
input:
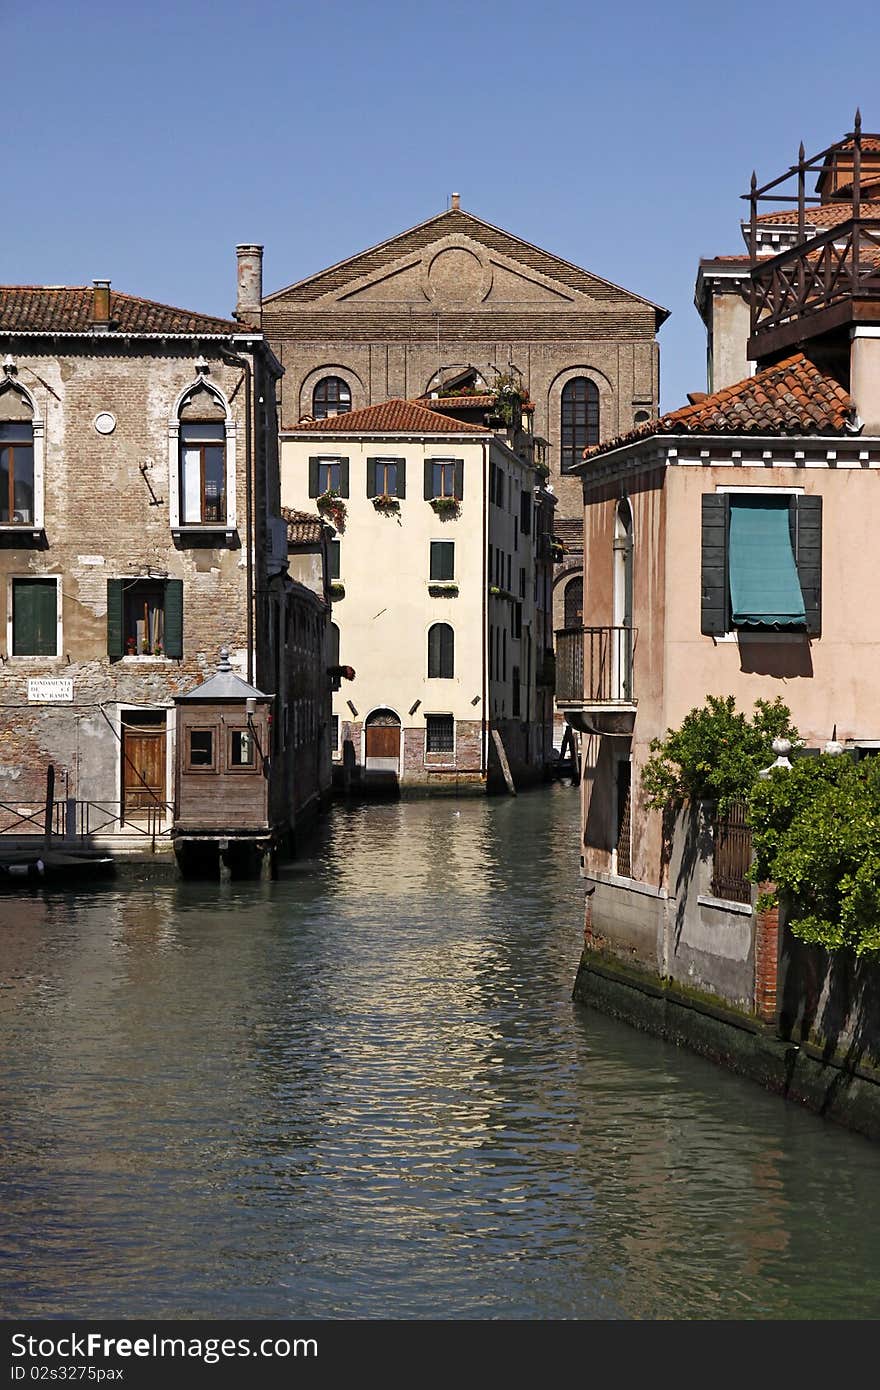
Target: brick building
{"points": [[140, 532], [455, 292]]}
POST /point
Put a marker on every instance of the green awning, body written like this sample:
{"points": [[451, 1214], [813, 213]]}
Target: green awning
{"points": [[764, 586]]}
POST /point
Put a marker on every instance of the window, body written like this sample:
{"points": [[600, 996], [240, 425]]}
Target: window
{"points": [[573, 602], [441, 652], [334, 554], [439, 733], [386, 477], [242, 748], [522, 582], [200, 747], [331, 396], [515, 707], [34, 617], [328, 475], [203, 473], [580, 420], [525, 512], [16, 473], [444, 478], [491, 651], [442, 560], [201, 460], [504, 654], [516, 620], [761, 562], [144, 618], [334, 732]]}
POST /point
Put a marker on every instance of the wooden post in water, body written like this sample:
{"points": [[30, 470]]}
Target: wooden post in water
{"points": [[502, 758], [50, 805]]}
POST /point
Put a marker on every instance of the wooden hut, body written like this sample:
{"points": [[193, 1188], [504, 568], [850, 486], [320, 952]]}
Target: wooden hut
{"points": [[222, 804]]}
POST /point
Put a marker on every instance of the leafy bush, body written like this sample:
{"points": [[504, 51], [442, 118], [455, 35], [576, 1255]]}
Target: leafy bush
{"points": [[717, 753], [816, 834]]}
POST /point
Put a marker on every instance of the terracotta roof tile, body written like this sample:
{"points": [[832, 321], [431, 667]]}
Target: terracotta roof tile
{"points": [[792, 398], [303, 528], [462, 402], [818, 215], [390, 417], [68, 309]]}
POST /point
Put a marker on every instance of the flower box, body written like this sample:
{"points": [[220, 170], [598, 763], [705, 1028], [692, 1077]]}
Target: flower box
{"points": [[446, 506]]}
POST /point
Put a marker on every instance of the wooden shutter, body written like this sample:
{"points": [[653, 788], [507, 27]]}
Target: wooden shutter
{"points": [[115, 635], [459, 479], [371, 477], [429, 479], [401, 477], [808, 558], [314, 489], [713, 608], [174, 617], [34, 617], [343, 477]]}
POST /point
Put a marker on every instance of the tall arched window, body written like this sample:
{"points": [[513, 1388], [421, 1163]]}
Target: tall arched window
{"points": [[16, 459], [331, 396], [202, 459], [574, 603], [441, 651], [580, 420]]}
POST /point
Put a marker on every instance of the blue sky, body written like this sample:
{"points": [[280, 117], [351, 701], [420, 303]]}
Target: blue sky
{"points": [[142, 142]]}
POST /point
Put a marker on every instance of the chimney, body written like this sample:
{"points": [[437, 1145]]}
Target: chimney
{"points": [[101, 305], [249, 304], [456, 202]]}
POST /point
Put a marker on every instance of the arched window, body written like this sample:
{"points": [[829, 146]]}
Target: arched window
{"points": [[574, 603], [16, 459], [441, 651], [331, 396], [580, 420], [202, 459]]}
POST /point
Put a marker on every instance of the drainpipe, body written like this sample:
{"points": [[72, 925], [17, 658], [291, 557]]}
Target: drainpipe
{"points": [[234, 359]]}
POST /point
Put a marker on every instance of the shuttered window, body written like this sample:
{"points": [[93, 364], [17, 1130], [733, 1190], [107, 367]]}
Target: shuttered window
{"points": [[328, 475], [34, 617], [144, 618], [761, 563], [442, 560], [386, 477], [444, 478], [441, 652]]}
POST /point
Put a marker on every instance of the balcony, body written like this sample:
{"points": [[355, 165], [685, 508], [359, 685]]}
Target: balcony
{"points": [[594, 678], [820, 285]]}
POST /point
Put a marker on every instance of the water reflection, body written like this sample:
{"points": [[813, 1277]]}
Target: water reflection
{"points": [[363, 1091]]}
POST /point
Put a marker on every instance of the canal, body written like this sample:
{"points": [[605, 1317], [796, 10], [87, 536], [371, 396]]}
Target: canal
{"points": [[364, 1091]]}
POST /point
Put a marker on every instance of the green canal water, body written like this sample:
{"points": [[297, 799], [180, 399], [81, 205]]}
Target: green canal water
{"points": [[364, 1091]]}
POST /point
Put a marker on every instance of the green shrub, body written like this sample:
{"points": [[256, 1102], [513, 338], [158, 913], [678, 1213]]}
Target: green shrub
{"points": [[717, 753], [816, 835]]}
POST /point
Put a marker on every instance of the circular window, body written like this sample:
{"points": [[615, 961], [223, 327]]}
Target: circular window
{"points": [[105, 423]]}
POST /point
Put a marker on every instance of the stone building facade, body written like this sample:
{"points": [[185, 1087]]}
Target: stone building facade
{"points": [[140, 532], [455, 292]]}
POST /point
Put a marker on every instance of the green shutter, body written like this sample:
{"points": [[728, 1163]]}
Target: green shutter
{"points": [[174, 617], [429, 480], [713, 610], [459, 478], [115, 636], [314, 488], [343, 477], [401, 477], [34, 617], [371, 477], [808, 557]]}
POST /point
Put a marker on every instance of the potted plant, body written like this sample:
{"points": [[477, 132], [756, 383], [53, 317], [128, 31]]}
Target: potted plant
{"points": [[446, 506], [130, 646], [387, 504], [331, 504]]}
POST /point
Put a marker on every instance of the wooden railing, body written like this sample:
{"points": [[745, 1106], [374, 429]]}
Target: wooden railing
{"points": [[594, 665], [842, 263], [732, 855]]}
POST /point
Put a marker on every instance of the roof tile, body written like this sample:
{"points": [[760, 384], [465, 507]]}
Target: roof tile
{"points": [[390, 417], [68, 309], [791, 398]]}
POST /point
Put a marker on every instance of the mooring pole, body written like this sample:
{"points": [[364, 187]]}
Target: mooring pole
{"points": [[50, 804]]}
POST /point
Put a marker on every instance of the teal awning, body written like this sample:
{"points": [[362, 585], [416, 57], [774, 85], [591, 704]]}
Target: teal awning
{"points": [[764, 586]]}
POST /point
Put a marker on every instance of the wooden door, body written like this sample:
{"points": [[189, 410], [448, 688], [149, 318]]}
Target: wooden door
{"points": [[383, 741], [143, 762]]}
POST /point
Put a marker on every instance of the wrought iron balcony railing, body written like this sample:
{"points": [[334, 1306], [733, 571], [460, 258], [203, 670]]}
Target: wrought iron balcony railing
{"points": [[594, 665]]}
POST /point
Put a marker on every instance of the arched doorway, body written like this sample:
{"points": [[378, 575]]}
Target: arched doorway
{"points": [[623, 602], [382, 741]]}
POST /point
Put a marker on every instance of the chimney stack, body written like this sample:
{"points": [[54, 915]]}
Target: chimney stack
{"points": [[456, 202], [101, 305], [249, 304]]}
